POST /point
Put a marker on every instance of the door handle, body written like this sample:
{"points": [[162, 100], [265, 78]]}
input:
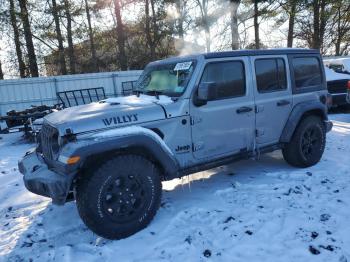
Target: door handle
{"points": [[244, 109], [283, 103]]}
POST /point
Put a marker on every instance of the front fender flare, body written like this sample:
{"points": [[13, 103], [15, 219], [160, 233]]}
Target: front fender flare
{"points": [[100, 144]]}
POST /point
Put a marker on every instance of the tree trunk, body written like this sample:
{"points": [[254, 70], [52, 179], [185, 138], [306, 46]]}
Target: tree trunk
{"points": [[148, 31], [234, 4], [61, 57], [91, 39], [291, 24], [203, 5], [33, 66], [338, 39], [323, 22], [316, 26], [120, 36], [256, 24], [154, 28], [71, 54], [180, 10], [1, 73], [21, 64]]}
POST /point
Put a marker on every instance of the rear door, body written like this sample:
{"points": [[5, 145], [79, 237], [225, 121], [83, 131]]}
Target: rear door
{"points": [[273, 97], [226, 124]]}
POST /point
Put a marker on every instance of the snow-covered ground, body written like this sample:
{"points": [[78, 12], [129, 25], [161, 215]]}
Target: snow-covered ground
{"points": [[249, 211]]}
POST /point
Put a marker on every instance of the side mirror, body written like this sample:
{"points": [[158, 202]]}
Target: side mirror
{"points": [[205, 92]]}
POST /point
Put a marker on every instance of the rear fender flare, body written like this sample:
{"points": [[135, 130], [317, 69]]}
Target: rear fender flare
{"points": [[298, 112]]}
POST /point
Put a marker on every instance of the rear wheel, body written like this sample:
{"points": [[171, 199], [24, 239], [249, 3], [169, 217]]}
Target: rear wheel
{"points": [[120, 197], [307, 144]]}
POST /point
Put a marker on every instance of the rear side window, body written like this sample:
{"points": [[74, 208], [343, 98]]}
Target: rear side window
{"points": [[229, 76], [270, 74], [307, 72]]}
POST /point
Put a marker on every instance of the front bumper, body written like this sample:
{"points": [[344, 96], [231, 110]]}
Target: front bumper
{"points": [[39, 179]]}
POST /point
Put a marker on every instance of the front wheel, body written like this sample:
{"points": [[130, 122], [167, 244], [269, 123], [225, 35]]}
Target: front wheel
{"points": [[307, 144], [121, 197]]}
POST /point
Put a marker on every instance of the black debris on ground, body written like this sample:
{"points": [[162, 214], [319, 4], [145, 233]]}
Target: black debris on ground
{"points": [[314, 250], [314, 235], [207, 253], [229, 219], [248, 232], [188, 240], [309, 173], [27, 244], [325, 217], [328, 247]]}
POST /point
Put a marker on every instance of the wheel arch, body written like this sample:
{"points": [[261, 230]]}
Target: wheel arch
{"points": [[94, 154], [299, 112]]}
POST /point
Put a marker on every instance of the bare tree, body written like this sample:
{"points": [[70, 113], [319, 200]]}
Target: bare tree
{"points": [[256, 24], [33, 66], [204, 21], [180, 7], [71, 54], [292, 10], [13, 19], [340, 26], [91, 38], [61, 57], [1, 73], [120, 36], [234, 4], [319, 22]]}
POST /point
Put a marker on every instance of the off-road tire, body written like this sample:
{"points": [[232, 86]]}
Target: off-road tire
{"points": [[307, 144], [120, 197]]}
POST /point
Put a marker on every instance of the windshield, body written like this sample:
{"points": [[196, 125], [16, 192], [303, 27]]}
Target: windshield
{"points": [[165, 79]]}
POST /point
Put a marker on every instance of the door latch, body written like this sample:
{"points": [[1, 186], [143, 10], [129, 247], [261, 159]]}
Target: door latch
{"points": [[197, 146], [195, 120]]}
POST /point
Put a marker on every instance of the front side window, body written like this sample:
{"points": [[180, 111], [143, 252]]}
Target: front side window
{"points": [[270, 74], [229, 77], [166, 79], [307, 72]]}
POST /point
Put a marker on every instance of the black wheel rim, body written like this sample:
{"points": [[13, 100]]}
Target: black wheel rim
{"points": [[310, 142], [123, 198]]}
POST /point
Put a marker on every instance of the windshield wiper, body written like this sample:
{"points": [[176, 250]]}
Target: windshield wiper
{"points": [[137, 92], [154, 93]]}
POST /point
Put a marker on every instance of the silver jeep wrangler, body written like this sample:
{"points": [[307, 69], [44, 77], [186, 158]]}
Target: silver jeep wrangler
{"points": [[188, 114]]}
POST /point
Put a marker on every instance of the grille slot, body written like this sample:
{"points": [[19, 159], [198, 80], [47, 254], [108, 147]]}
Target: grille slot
{"points": [[49, 142]]}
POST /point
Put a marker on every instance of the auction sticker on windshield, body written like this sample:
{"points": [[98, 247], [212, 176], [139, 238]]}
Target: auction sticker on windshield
{"points": [[182, 66]]}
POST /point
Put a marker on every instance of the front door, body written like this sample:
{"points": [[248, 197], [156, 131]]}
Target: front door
{"points": [[226, 124], [273, 97]]}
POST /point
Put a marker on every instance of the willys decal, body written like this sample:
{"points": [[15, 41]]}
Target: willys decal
{"points": [[117, 120]]}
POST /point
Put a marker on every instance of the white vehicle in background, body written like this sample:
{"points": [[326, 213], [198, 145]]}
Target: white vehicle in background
{"points": [[338, 65]]}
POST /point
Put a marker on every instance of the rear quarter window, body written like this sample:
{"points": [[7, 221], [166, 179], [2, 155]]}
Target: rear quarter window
{"points": [[307, 72]]}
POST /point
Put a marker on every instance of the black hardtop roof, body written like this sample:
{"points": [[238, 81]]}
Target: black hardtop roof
{"points": [[257, 52], [236, 53]]}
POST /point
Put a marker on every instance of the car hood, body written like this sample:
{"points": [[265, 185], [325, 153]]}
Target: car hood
{"points": [[109, 113]]}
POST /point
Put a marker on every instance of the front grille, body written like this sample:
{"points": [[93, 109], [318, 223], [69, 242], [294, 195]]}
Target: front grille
{"points": [[49, 142]]}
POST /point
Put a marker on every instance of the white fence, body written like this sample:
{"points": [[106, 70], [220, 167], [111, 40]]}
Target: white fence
{"points": [[20, 94]]}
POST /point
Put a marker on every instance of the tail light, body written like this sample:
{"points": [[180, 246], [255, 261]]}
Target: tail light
{"points": [[349, 85]]}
